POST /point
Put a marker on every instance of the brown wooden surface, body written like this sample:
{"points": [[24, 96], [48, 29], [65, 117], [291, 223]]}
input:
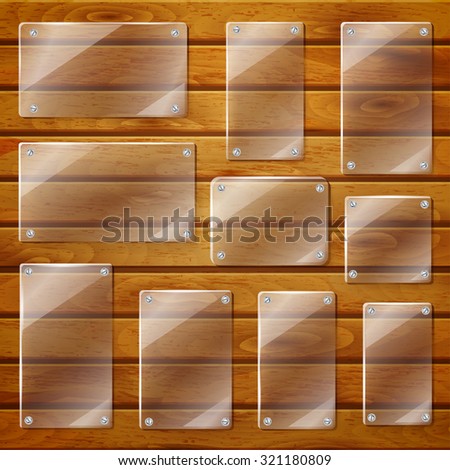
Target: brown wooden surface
{"points": [[188, 266]]}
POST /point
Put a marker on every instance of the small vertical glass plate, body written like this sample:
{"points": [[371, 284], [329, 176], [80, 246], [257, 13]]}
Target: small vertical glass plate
{"points": [[66, 346], [296, 360], [103, 69], [388, 239], [185, 359], [272, 221], [386, 88], [265, 91], [107, 192], [397, 364]]}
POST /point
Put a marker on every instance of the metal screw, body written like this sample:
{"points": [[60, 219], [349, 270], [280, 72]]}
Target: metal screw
{"points": [[104, 420], [424, 31], [426, 417], [30, 233], [351, 165], [28, 420], [30, 152], [294, 30], [353, 203], [426, 310], [225, 422], [187, 152], [104, 271], [175, 33], [236, 29], [295, 152], [33, 108], [225, 299], [327, 300], [221, 255], [423, 165], [320, 255], [221, 188], [28, 271], [187, 234], [350, 31], [149, 299], [424, 273], [327, 421], [267, 421], [353, 273], [237, 152], [267, 300], [148, 422], [33, 33], [371, 311], [320, 188], [424, 204], [371, 417], [175, 109]]}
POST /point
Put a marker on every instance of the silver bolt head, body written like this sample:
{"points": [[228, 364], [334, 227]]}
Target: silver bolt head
{"points": [[351, 165], [237, 152], [33, 108], [424, 204], [28, 420], [33, 33], [175, 109], [149, 299], [371, 311], [267, 421], [426, 417], [104, 271], [320, 255], [423, 165], [175, 33], [426, 310], [187, 152], [30, 152], [236, 29], [187, 234], [221, 255], [104, 420], [267, 300], [327, 300], [371, 417], [350, 31], [148, 422], [327, 421], [225, 422], [424, 273], [423, 31], [353, 273], [221, 188], [294, 30], [28, 271], [225, 299], [295, 152], [353, 203], [320, 188], [30, 233]]}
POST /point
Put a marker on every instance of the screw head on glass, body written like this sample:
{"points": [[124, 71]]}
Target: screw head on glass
{"points": [[351, 165], [236, 29], [236, 152], [33, 108], [353, 273], [320, 188], [30, 152], [320, 255], [225, 422], [175, 109], [423, 31], [423, 165], [149, 299], [28, 271], [426, 310], [327, 300], [371, 417], [221, 255], [104, 271], [350, 31], [104, 420], [187, 234], [30, 233], [267, 421], [371, 311], [424, 273], [327, 421], [352, 203], [148, 422], [295, 29], [221, 188], [175, 33], [267, 300], [33, 33], [426, 417], [424, 204], [187, 152], [295, 152], [225, 299], [28, 420]]}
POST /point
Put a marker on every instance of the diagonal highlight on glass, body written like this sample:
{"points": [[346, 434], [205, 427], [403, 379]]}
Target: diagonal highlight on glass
{"points": [[388, 239], [103, 69], [386, 93], [265, 91], [296, 360], [107, 192], [273, 221], [66, 341], [397, 364], [185, 359]]}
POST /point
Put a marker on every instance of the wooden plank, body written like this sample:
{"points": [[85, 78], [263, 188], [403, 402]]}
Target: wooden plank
{"points": [[245, 377], [350, 433], [322, 20], [126, 333], [206, 116], [207, 67], [322, 156]]}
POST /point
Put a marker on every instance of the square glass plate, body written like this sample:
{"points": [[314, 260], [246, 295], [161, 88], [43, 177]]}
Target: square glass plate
{"points": [[386, 87], [66, 346], [296, 360], [273, 221], [388, 239], [264, 91], [185, 359], [102, 69], [397, 364], [106, 192]]}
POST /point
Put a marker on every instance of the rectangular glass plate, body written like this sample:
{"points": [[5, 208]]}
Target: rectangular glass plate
{"points": [[264, 91], [296, 360], [397, 364], [388, 239], [185, 359], [66, 342], [273, 221], [386, 87], [103, 69], [106, 192]]}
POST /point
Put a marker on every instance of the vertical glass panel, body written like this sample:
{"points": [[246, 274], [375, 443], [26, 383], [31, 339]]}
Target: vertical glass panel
{"points": [[296, 359], [397, 364], [103, 69], [388, 239], [386, 80], [185, 359], [106, 192], [269, 221], [66, 346], [264, 91]]}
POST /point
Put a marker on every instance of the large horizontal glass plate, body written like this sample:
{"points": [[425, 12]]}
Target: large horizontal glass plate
{"points": [[185, 359], [269, 221], [264, 91], [388, 239], [66, 346], [106, 192], [397, 364], [296, 360], [103, 69], [386, 86]]}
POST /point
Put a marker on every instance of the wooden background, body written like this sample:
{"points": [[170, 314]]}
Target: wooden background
{"points": [[179, 266]]}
